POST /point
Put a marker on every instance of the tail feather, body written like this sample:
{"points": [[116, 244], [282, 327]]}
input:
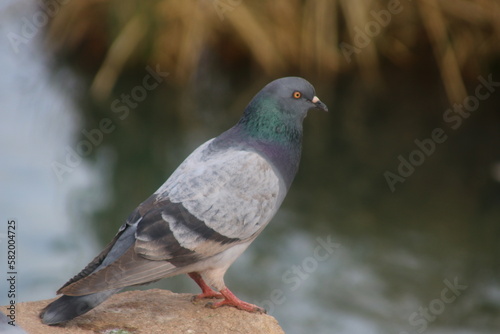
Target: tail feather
{"points": [[68, 307]]}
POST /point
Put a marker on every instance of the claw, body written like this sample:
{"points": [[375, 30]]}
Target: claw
{"points": [[231, 300], [204, 295], [206, 291]]}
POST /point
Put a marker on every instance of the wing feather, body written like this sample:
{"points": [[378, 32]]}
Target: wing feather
{"points": [[235, 192], [213, 201]]}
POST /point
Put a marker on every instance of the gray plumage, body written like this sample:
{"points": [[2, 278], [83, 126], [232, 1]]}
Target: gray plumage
{"points": [[208, 211]]}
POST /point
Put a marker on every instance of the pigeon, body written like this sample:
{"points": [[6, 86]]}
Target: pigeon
{"points": [[207, 212]]}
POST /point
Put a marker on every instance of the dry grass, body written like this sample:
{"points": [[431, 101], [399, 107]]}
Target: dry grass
{"points": [[278, 36]]}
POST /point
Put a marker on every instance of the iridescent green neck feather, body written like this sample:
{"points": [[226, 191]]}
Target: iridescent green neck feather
{"points": [[273, 133], [264, 119]]}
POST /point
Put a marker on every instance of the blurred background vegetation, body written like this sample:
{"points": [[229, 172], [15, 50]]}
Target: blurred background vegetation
{"points": [[388, 71], [275, 38]]}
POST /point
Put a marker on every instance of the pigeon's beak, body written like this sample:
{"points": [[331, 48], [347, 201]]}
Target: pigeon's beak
{"points": [[319, 104]]}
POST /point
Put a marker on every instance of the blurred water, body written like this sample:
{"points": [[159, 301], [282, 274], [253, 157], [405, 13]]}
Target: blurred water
{"points": [[421, 259], [37, 122]]}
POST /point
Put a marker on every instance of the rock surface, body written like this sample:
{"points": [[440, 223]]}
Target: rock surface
{"points": [[149, 312]]}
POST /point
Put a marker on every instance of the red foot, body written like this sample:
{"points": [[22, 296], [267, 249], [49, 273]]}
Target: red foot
{"points": [[231, 300], [206, 291]]}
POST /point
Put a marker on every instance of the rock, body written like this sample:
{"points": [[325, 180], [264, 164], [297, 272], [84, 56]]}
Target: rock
{"points": [[149, 312]]}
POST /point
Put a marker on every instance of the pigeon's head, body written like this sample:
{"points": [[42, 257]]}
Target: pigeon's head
{"points": [[293, 95], [283, 102]]}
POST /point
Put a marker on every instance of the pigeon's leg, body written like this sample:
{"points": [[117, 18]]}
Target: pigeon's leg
{"points": [[231, 300], [206, 291]]}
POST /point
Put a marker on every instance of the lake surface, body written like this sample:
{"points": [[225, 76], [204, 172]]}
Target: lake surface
{"points": [[349, 252]]}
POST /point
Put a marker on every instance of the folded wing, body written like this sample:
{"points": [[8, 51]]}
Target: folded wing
{"points": [[213, 201]]}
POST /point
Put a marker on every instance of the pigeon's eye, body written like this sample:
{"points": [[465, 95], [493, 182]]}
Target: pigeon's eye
{"points": [[297, 95]]}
